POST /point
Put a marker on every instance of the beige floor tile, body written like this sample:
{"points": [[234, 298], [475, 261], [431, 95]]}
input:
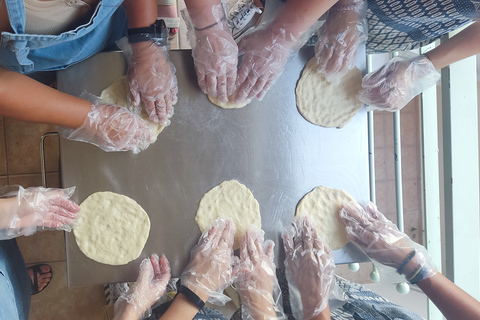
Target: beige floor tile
{"points": [[60, 302], [23, 147], [412, 195], [389, 163], [414, 226], [411, 163], [3, 154], [380, 165], [410, 126], [43, 246], [381, 195], [379, 129], [182, 33]]}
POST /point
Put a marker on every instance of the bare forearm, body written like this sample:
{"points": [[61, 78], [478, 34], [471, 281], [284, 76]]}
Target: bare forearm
{"points": [[461, 46], [296, 17], [452, 301], [204, 13], [141, 13], [25, 99]]}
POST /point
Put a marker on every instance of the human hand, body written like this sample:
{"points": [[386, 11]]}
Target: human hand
{"points": [[381, 240], [393, 85], [152, 80], [255, 277], [216, 57], [36, 208], [265, 53], [309, 266], [112, 128], [209, 271], [338, 39], [150, 286]]}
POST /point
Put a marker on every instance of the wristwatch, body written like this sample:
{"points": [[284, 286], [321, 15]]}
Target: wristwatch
{"points": [[157, 33]]}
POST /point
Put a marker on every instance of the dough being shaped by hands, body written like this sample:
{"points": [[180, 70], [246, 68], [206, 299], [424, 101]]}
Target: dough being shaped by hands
{"points": [[328, 104], [117, 93], [321, 206], [233, 200], [228, 105], [111, 228]]}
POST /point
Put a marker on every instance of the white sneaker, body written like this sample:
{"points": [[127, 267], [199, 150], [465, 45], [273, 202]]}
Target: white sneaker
{"points": [[242, 17]]}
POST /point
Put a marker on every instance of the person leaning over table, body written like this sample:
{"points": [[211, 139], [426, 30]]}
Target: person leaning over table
{"points": [[206, 276], [34, 39], [22, 213], [397, 26]]}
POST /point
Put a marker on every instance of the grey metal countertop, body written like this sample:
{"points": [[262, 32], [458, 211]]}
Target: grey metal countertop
{"points": [[268, 146]]}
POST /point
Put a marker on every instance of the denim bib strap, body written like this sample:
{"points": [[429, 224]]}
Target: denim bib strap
{"points": [[16, 14]]}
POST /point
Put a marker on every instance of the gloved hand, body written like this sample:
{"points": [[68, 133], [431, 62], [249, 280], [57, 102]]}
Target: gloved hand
{"points": [[151, 77], [209, 271], [309, 267], [265, 53], [24, 211], [150, 286], [255, 277], [381, 240], [111, 128], [393, 85], [338, 39]]}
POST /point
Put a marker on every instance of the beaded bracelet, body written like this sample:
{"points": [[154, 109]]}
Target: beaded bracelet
{"points": [[406, 261]]}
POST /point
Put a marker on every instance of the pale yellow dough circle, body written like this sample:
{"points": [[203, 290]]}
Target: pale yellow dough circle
{"points": [[327, 104], [112, 228], [321, 206], [228, 105], [117, 93], [233, 200]]}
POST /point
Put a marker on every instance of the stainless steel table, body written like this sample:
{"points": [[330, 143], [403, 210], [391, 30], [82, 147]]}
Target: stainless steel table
{"points": [[268, 146]]}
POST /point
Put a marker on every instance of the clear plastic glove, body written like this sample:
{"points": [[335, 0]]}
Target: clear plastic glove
{"points": [[393, 85], [210, 269], [24, 211], [309, 268], [111, 128], [150, 286], [265, 53], [255, 278], [151, 77], [381, 240], [339, 38], [215, 54]]}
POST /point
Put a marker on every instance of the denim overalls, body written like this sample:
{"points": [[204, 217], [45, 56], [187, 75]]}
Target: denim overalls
{"points": [[26, 53]]}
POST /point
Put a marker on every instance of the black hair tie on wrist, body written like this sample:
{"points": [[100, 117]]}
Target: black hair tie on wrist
{"points": [[191, 296]]}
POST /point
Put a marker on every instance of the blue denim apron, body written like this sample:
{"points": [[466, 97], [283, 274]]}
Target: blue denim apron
{"points": [[26, 53], [15, 284]]}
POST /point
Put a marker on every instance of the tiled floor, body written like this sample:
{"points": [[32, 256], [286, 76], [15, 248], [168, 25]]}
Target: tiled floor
{"points": [[20, 164]]}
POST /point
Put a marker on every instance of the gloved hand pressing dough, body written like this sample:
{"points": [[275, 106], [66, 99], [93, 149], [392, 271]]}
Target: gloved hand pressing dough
{"points": [[24, 211], [255, 277], [339, 38], [210, 269], [214, 51], [309, 267], [151, 77], [394, 84], [381, 240], [111, 128], [150, 286]]}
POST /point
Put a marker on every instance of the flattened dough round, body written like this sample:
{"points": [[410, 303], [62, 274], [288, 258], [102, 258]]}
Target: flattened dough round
{"points": [[228, 105], [112, 228], [321, 206], [117, 93], [233, 200], [327, 104]]}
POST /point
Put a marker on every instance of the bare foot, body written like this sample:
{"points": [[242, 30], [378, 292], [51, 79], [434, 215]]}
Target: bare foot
{"points": [[42, 279], [168, 11]]}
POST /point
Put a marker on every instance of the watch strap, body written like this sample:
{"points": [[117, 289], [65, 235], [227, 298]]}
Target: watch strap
{"points": [[191, 296], [157, 33]]}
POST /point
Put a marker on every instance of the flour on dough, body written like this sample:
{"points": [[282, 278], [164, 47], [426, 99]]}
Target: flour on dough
{"points": [[327, 104], [112, 228], [228, 105], [233, 200], [117, 93], [321, 206]]}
